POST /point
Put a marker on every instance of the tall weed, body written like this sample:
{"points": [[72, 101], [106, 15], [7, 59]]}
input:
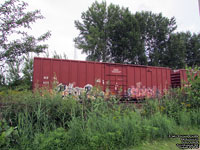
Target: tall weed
{"points": [[48, 121], [193, 89]]}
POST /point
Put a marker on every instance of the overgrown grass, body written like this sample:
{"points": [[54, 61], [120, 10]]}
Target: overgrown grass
{"points": [[167, 144], [35, 121]]}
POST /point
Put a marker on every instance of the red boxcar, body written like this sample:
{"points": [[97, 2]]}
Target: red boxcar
{"points": [[132, 80], [179, 77]]}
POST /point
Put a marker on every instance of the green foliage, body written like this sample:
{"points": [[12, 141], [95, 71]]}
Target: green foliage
{"points": [[51, 140], [193, 91], [41, 112], [150, 108], [15, 18], [181, 104], [19, 74], [15, 43], [124, 35], [182, 49], [195, 118], [8, 135], [58, 56], [93, 38], [163, 126], [193, 50], [109, 131], [28, 71], [13, 74], [110, 34], [2, 81], [44, 120], [175, 53], [155, 32]]}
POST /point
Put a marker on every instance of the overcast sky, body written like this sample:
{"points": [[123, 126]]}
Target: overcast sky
{"points": [[61, 14]]}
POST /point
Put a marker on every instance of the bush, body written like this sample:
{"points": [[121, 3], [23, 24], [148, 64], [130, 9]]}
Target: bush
{"points": [[108, 131], [8, 135], [47, 121], [193, 90], [53, 140], [39, 112], [162, 126]]}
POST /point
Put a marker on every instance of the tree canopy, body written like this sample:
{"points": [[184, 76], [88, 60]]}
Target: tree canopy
{"points": [[114, 34], [109, 32], [155, 33], [16, 43], [14, 40]]}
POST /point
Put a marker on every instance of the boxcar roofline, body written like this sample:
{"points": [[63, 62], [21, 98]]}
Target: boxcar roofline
{"points": [[135, 65]]}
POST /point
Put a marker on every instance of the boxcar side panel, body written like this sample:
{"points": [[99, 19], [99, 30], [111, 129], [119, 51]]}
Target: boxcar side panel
{"points": [[37, 73], [168, 78], [164, 79], [97, 73], [143, 77], [55, 73], [46, 72], [115, 76], [90, 73], [64, 72], [154, 77], [137, 75], [74, 73], [130, 76], [183, 75], [159, 78], [149, 78], [82, 74]]}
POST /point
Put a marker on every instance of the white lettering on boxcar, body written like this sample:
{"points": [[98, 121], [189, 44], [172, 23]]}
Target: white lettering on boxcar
{"points": [[46, 77], [116, 70], [45, 82]]}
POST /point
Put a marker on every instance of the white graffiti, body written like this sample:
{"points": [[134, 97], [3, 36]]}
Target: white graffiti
{"points": [[74, 91], [137, 92]]}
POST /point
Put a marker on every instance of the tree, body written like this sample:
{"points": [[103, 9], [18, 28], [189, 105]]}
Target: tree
{"points": [[59, 56], [2, 79], [14, 19], [110, 34], [13, 73], [114, 34], [93, 39], [175, 53], [155, 32], [183, 48], [124, 37], [27, 71], [193, 50]]}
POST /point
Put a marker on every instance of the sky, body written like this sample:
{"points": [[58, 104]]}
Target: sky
{"points": [[61, 14]]}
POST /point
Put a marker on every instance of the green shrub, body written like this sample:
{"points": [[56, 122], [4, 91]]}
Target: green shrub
{"points": [[189, 118], [33, 113], [195, 118], [8, 135], [193, 90], [48, 121], [150, 107], [53, 140], [108, 131], [162, 126]]}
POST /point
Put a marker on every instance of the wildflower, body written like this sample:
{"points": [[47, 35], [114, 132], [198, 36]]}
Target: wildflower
{"points": [[188, 105], [162, 108]]}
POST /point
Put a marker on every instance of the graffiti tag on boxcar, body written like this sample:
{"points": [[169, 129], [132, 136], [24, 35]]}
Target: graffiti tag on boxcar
{"points": [[142, 92]]}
